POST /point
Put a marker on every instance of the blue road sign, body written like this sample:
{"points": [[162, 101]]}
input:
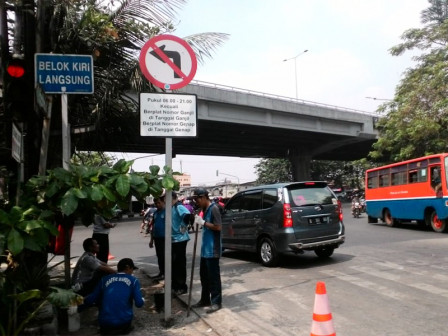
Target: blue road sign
{"points": [[57, 73]]}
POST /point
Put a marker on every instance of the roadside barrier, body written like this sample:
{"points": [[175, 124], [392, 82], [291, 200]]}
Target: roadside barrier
{"points": [[322, 324]]}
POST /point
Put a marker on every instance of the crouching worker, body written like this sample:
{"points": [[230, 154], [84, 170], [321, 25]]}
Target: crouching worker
{"points": [[115, 296], [89, 269]]}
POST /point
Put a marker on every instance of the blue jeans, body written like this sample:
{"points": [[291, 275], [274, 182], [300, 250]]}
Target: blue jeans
{"points": [[210, 274]]}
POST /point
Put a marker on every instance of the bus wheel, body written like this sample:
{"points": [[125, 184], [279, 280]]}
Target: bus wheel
{"points": [[388, 219], [437, 224]]}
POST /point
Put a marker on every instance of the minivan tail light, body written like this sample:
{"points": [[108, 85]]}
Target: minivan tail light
{"points": [[287, 215], [341, 216]]}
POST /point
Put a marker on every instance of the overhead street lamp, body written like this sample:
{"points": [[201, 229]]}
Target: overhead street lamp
{"points": [[295, 67], [237, 186]]}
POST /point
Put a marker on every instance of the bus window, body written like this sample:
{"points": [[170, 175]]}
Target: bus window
{"points": [[372, 180], [384, 177], [384, 180], [413, 176], [398, 178], [422, 175], [399, 175]]}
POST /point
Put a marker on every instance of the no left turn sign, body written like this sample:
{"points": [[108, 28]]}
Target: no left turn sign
{"points": [[168, 62]]}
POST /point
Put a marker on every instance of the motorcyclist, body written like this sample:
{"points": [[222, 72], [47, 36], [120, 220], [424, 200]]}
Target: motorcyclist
{"points": [[147, 216], [355, 200]]}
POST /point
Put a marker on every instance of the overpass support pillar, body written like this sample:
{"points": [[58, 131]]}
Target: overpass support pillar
{"points": [[300, 164]]}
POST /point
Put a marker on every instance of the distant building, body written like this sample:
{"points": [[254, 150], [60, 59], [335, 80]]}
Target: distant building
{"points": [[184, 180], [225, 190]]}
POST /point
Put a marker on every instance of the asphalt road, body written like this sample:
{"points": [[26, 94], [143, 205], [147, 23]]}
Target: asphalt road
{"points": [[382, 281]]}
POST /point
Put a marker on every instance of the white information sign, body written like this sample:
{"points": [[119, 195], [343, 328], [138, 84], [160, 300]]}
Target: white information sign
{"points": [[168, 115]]}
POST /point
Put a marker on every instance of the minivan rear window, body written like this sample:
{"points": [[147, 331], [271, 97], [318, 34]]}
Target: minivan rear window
{"points": [[304, 195]]}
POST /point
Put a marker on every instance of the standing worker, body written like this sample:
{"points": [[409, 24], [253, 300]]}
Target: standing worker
{"points": [[101, 229], [211, 248], [158, 236]]}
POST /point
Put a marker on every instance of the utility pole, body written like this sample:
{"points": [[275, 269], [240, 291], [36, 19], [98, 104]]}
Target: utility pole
{"points": [[33, 120]]}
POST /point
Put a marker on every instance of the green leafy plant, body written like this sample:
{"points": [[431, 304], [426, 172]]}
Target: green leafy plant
{"points": [[62, 196]]}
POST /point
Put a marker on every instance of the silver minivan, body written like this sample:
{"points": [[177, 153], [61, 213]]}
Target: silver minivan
{"points": [[283, 218]]}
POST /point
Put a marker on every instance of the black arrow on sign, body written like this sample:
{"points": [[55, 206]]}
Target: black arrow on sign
{"points": [[174, 55]]}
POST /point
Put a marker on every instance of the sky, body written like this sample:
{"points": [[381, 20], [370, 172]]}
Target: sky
{"points": [[348, 59]]}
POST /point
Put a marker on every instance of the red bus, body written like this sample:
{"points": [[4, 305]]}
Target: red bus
{"points": [[409, 191]]}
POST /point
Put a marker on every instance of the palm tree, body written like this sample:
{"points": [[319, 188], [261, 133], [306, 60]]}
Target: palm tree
{"points": [[114, 32]]}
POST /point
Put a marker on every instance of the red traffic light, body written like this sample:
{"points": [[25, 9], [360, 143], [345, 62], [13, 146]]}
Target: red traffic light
{"points": [[16, 68]]}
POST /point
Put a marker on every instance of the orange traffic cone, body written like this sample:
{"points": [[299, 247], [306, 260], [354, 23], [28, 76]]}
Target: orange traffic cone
{"points": [[322, 320], [110, 256]]}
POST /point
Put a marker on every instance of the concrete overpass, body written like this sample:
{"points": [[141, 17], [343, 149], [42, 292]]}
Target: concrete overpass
{"points": [[236, 122]]}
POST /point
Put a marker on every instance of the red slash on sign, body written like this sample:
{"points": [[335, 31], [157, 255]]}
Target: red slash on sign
{"points": [[168, 62]]}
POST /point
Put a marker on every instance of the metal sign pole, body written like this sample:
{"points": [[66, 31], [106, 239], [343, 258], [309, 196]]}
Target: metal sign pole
{"points": [[65, 132], [168, 68], [168, 223]]}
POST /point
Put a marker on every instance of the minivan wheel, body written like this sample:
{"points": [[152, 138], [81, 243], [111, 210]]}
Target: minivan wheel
{"points": [[324, 252], [268, 253]]}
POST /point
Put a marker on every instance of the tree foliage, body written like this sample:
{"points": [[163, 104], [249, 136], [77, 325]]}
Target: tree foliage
{"points": [[273, 171], [94, 159], [337, 173], [415, 122]]}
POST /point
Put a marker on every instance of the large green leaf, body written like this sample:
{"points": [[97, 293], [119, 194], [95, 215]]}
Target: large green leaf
{"points": [[62, 174], [97, 193], [156, 190], [50, 227], [32, 224], [154, 170], [4, 218], [28, 295], [52, 189], [15, 242], [33, 244], [79, 193], [123, 166], [63, 297], [69, 203], [15, 214], [108, 193], [168, 183], [123, 185]]}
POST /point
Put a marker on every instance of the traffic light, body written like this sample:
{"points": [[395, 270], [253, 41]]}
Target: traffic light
{"points": [[16, 68], [18, 93]]}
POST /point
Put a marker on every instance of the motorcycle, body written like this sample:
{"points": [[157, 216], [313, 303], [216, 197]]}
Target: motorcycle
{"points": [[356, 209], [363, 204], [147, 223]]}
